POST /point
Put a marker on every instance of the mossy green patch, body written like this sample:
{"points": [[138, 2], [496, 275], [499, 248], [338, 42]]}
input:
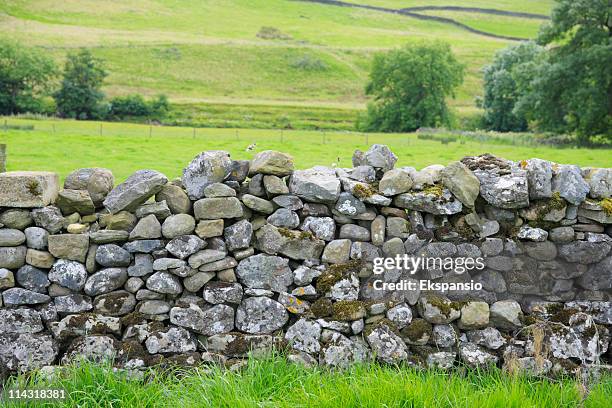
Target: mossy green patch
{"points": [[435, 190], [322, 307], [606, 205], [417, 330], [364, 190], [445, 306], [348, 310]]}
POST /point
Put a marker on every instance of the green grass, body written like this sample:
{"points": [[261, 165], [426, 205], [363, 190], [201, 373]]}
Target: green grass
{"points": [[273, 382], [125, 148], [200, 52]]}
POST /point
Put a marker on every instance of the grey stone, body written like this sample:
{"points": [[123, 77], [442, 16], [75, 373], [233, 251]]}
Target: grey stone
{"points": [[275, 185], [598, 277], [222, 292], [532, 234], [284, 218], [209, 228], [170, 340], [135, 191], [304, 336], [568, 181], [215, 208], [175, 197], [600, 182], [260, 315], [461, 182], [12, 257], [506, 314], [164, 282], [258, 204], [105, 281], [197, 281], [504, 190], [31, 278], [16, 218], [395, 182], [111, 255], [474, 315], [117, 303], [36, 237], [429, 202], [474, 356], [205, 256], [349, 205], [288, 201], [143, 265], [561, 235], [378, 156], [28, 189], [25, 352], [354, 232], [22, 320], [219, 190], [98, 182], [337, 251], [73, 303], [159, 209], [387, 346], [341, 352], [539, 176], [49, 218], [206, 168], [265, 272], [69, 274], [20, 296], [444, 335], [398, 227], [437, 309], [75, 201], [148, 227], [318, 185], [177, 225], [321, 227], [584, 252], [400, 315], [7, 279], [218, 319], [164, 264], [11, 237], [184, 246], [489, 337], [271, 162]]}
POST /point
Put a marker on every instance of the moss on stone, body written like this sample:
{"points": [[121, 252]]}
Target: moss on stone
{"points": [[292, 234], [563, 315], [435, 190], [606, 205], [322, 307], [348, 310], [363, 191], [445, 306], [33, 187], [382, 322], [417, 329]]}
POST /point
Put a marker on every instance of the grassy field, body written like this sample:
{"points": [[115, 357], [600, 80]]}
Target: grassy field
{"points": [[273, 382], [64, 145], [208, 52]]}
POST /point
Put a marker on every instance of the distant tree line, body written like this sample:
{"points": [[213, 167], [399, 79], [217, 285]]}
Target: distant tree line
{"points": [[29, 83], [561, 83]]}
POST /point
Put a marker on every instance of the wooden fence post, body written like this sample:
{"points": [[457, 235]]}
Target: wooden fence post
{"points": [[2, 158]]}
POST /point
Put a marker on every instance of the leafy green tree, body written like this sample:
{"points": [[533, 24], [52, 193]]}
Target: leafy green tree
{"points": [[410, 86], [26, 76], [572, 89], [80, 95], [507, 80]]}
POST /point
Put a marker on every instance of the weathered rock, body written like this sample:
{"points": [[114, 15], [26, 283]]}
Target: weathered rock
{"points": [[22, 320], [184, 246], [378, 156], [117, 303], [539, 177], [222, 292], [219, 190], [461, 182], [260, 315], [176, 199], [434, 201], [340, 352], [28, 189], [318, 185], [12, 257], [216, 208], [238, 235], [20, 296], [26, 352], [98, 182], [532, 234], [71, 201], [584, 252], [111, 255], [275, 185], [354, 232], [438, 309], [36, 237], [148, 227], [258, 204], [271, 162], [164, 282], [568, 181], [265, 272], [337, 251], [105, 281], [170, 340], [206, 168], [30, 278], [490, 337], [95, 348], [474, 356], [600, 183], [213, 320], [11, 237], [506, 314], [177, 225], [321, 227], [69, 246], [395, 182], [284, 218], [387, 346], [69, 274], [73, 303], [304, 335], [134, 191]]}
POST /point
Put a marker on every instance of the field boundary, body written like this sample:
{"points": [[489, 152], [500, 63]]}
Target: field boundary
{"points": [[507, 13], [405, 12]]}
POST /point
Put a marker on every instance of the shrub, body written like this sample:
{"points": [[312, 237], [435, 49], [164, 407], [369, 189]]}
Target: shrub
{"points": [[272, 33], [136, 106], [309, 63]]}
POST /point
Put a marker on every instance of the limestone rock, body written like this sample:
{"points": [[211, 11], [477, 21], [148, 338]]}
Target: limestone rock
{"points": [[206, 168], [28, 189]]}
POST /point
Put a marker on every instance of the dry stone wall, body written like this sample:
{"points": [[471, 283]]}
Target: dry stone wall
{"points": [[242, 256]]}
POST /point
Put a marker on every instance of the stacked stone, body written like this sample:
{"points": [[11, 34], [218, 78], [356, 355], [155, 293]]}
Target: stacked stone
{"points": [[240, 256]]}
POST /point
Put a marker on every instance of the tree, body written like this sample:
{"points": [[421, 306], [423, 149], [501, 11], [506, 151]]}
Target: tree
{"points": [[80, 95], [572, 89], [25, 78], [410, 86], [506, 81]]}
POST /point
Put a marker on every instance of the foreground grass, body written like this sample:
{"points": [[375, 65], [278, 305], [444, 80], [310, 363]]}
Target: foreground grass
{"points": [[63, 146], [273, 382]]}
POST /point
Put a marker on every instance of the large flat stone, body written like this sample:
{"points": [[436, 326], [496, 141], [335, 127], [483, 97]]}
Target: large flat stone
{"points": [[135, 191], [28, 189]]}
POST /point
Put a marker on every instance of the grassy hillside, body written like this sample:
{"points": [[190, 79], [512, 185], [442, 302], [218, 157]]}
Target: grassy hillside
{"points": [[202, 52], [125, 148]]}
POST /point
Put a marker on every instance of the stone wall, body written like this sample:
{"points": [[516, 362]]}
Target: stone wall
{"points": [[241, 256]]}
